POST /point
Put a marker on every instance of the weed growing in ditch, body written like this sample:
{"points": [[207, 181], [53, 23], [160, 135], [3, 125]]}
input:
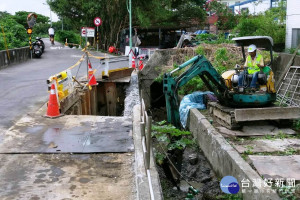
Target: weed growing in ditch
{"points": [[171, 138], [296, 124], [287, 193]]}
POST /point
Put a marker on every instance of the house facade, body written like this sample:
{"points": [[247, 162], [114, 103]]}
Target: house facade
{"points": [[253, 6], [292, 38]]}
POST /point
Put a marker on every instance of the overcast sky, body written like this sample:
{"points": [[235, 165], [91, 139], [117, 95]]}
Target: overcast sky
{"points": [[37, 6]]}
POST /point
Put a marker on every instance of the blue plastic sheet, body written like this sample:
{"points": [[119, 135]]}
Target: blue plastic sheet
{"points": [[194, 100]]}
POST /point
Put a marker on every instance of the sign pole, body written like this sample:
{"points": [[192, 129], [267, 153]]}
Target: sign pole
{"points": [[87, 58], [97, 22], [97, 37], [30, 46]]}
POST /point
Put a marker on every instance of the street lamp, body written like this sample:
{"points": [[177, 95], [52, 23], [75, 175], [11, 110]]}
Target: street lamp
{"points": [[130, 32]]}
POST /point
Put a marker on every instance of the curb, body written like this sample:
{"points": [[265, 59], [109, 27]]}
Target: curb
{"points": [[225, 160], [142, 184]]}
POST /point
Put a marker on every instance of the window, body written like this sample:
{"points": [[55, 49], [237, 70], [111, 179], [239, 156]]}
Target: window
{"points": [[275, 3], [244, 10], [295, 37]]}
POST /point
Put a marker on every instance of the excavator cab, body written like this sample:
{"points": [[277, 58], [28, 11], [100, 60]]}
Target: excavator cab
{"points": [[265, 76]]}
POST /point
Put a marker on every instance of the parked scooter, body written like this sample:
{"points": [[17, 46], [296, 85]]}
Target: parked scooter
{"points": [[40, 43], [37, 51]]}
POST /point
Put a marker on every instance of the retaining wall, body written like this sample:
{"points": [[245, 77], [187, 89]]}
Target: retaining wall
{"points": [[16, 56], [224, 159]]}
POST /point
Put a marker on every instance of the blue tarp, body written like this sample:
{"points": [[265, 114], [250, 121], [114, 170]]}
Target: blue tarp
{"points": [[194, 100]]}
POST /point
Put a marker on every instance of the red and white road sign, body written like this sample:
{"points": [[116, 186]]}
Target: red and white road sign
{"points": [[87, 32], [97, 21]]}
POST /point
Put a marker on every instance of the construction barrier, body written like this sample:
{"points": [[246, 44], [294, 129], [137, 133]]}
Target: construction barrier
{"points": [[64, 82]]}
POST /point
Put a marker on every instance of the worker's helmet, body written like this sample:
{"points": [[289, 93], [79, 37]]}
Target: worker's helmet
{"points": [[251, 48]]}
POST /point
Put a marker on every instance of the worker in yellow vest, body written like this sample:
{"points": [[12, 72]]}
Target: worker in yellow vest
{"points": [[253, 62]]}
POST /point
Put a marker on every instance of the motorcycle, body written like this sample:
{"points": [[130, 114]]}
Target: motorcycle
{"points": [[37, 51], [40, 43]]}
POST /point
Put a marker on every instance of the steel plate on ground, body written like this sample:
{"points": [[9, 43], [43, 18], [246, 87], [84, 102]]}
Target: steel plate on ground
{"points": [[69, 134], [65, 176]]}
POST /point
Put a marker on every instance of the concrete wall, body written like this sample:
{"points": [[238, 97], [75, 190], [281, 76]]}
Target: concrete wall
{"points": [[161, 59], [292, 20], [281, 62], [16, 56], [224, 159]]}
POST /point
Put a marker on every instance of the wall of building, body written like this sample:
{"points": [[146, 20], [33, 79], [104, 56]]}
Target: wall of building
{"points": [[230, 2], [292, 21], [254, 6]]}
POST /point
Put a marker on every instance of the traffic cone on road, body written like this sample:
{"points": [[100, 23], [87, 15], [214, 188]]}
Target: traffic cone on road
{"points": [[133, 62], [53, 107], [92, 79], [141, 64]]}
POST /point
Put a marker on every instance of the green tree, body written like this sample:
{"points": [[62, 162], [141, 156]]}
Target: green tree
{"points": [[270, 23], [114, 14], [226, 18]]}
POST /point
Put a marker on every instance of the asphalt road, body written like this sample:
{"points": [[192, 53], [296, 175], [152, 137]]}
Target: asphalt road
{"points": [[23, 86]]}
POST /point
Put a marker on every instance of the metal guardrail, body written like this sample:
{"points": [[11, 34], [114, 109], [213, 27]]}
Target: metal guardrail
{"points": [[145, 125]]}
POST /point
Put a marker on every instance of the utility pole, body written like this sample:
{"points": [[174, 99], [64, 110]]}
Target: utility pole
{"points": [[130, 26], [130, 34]]}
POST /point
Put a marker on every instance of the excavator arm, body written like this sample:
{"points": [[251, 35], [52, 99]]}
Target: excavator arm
{"points": [[200, 67]]}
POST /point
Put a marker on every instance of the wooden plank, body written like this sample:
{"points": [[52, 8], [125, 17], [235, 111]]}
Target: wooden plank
{"points": [[101, 100], [277, 166], [224, 116], [111, 98], [273, 113], [69, 101], [276, 145]]}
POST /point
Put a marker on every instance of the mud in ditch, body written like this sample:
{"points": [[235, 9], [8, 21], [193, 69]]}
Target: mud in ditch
{"points": [[196, 170]]}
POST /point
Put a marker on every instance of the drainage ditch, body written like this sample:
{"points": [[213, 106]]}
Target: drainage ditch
{"points": [[192, 166]]}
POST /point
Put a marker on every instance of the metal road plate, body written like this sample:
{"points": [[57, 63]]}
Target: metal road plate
{"points": [[277, 166], [65, 176], [69, 134]]}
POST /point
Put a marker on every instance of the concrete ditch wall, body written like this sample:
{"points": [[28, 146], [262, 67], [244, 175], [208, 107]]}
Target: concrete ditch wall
{"points": [[224, 159], [164, 58], [16, 56]]}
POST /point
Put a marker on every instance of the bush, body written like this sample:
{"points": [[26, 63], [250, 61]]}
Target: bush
{"points": [[72, 36], [270, 23], [213, 39]]}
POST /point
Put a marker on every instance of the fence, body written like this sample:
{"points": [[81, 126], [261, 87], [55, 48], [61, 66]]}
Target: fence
{"points": [[146, 123]]}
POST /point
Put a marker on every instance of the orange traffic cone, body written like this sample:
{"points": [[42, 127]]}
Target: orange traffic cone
{"points": [[141, 65], [53, 107], [133, 62], [92, 79]]}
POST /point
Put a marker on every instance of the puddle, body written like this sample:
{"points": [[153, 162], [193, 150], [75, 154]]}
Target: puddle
{"points": [[35, 129]]}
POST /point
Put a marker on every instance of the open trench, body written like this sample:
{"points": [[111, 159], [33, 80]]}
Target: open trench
{"points": [[112, 98], [194, 168]]}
